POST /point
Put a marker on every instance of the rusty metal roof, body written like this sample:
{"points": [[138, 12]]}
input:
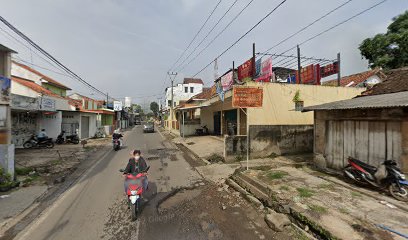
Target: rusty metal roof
{"points": [[391, 100]]}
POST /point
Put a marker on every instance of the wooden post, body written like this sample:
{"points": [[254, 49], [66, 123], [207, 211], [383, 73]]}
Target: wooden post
{"points": [[338, 67], [299, 66], [253, 62]]}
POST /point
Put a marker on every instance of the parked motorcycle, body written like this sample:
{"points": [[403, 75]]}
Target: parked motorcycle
{"points": [[386, 176], [68, 139], [134, 192], [33, 142], [202, 131], [116, 144]]}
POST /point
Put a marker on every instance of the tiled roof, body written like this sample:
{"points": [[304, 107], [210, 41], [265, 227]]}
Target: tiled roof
{"points": [[48, 79], [203, 95], [32, 85], [192, 80], [391, 100], [396, 81], [354, 79]]}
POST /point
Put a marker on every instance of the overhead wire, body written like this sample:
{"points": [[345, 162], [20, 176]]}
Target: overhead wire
{"points": [[195, 36], [222, 31], [240, 38]]}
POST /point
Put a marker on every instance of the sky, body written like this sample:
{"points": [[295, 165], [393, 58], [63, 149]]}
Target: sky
{"points": [[126, 47]]}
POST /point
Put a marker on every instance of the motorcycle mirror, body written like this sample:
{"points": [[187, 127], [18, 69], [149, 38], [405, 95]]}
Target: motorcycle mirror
{"points": [[147, 169], [121, 170]]}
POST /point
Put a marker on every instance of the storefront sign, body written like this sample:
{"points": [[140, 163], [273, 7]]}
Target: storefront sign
{"points": [[329, 69], [266, 71], [117, 105], [258, 67], [5, 84], [219, 90], [309, 75], [47, 104], [246, 71], [247, 97], [227, 81]]}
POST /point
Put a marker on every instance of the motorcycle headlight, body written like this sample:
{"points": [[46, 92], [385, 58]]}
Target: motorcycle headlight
{"points": [[402, 176], [133, 192]]}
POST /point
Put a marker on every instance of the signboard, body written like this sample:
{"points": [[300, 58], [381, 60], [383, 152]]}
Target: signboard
{"points": [[247, 97], [117, 105], [227, 81], [310, 75], [246, 71], [266, 71], [5, 85], [258, 64], [47, 104], [329, 69], [128, 102], [219, 90]]}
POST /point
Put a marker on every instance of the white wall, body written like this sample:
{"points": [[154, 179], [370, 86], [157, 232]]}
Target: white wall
{"points": [[51, 123], [180, 95], [19, 89], [24, 73], [92, 123]]}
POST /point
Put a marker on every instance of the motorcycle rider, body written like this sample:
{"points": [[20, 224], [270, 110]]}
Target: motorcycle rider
{"points": [[42, 135], [117, 135], [136, 165]]}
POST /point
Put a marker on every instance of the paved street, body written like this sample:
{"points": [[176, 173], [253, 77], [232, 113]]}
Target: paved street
{"points": [[94, 208]]}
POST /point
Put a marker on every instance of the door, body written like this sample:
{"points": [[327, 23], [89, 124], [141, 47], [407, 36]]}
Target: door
{"points": [[84, 127], [369, 141], [217, 123]]}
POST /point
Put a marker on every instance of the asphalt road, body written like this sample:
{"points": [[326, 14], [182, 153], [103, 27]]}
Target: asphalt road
{"points": [[95, 207]]}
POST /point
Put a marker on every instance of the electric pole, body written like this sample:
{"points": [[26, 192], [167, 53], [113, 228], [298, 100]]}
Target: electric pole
{"points": [[172, 77]]}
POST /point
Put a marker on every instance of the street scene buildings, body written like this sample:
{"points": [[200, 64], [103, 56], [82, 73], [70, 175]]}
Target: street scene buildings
{"points": [[281, 133]]}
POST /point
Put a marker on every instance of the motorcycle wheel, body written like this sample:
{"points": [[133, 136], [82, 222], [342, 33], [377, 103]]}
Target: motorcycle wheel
{"points": [[75, 141], [27, 145], [49, 145], [59, 141], [134, 210], [397, 193]]}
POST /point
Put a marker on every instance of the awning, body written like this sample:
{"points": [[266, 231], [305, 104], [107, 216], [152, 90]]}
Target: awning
{"points": [[193, 107]]}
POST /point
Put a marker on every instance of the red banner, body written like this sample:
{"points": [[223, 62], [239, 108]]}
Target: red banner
{"points": [[246, 71], [310, 74], [329, 69], [247, 97]]}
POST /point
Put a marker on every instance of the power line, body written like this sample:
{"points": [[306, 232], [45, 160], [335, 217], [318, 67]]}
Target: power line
{"points": [[307, 26], [336, 25], [223, 30], [239, 39], [49, 56], [212, 29], [15, 58], [201, 28]]}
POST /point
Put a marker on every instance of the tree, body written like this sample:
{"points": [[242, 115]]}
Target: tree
{"points": [[137, 108], [388, 50], [154, 107]]}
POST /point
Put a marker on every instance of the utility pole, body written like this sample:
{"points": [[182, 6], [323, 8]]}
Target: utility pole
{"points": [[253, 61], [299, 66], [338, 70], [107, 100], [172, 77]]}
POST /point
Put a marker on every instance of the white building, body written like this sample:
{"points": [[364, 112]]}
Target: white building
{"points": [[183, 91]]}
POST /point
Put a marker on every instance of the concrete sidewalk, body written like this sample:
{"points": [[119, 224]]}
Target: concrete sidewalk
{"points": [[203, 146], [330, 209]]}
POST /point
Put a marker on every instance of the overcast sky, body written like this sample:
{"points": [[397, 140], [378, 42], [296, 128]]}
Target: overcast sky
{"points": [[125, 47]]}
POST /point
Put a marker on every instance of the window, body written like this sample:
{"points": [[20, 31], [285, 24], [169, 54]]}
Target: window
{"points": [[191, 89], [174, 104], [169, 103], [186, 89]]}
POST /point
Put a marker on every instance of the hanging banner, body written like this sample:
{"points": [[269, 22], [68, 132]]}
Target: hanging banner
{"points": [[266, 71], [227, 81], [310, 74], [219, 90], [5, 84], [258, 68], [246, 71], [329, 69], [247, 97]]}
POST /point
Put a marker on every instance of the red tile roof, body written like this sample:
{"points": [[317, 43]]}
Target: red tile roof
{"points": [[48, 79], [396, 81], [192, 80], [355, 78], [32, 85]]}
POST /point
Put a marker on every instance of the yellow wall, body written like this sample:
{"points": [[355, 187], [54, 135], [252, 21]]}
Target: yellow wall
{"points": [[278, 107]]}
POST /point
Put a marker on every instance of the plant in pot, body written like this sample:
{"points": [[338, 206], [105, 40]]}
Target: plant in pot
{"points": [[298, 101]]}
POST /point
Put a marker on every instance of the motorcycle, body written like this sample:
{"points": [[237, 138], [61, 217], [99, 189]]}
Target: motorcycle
{"points": [[33, 142], [134, 192], [68, 139], [116, 144], [393, 179], [202, 131]]}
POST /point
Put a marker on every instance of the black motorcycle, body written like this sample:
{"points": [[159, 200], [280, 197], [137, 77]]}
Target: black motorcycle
{"points": [[391, 177], [68, 139], [202, 131], [34, 142]]}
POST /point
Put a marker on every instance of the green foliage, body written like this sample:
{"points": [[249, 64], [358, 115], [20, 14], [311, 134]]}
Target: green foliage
{"points": [[154, 107], [23, 170], [388, 50], [318, 209], [296, 98], [276, 175], [305, 192]]}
